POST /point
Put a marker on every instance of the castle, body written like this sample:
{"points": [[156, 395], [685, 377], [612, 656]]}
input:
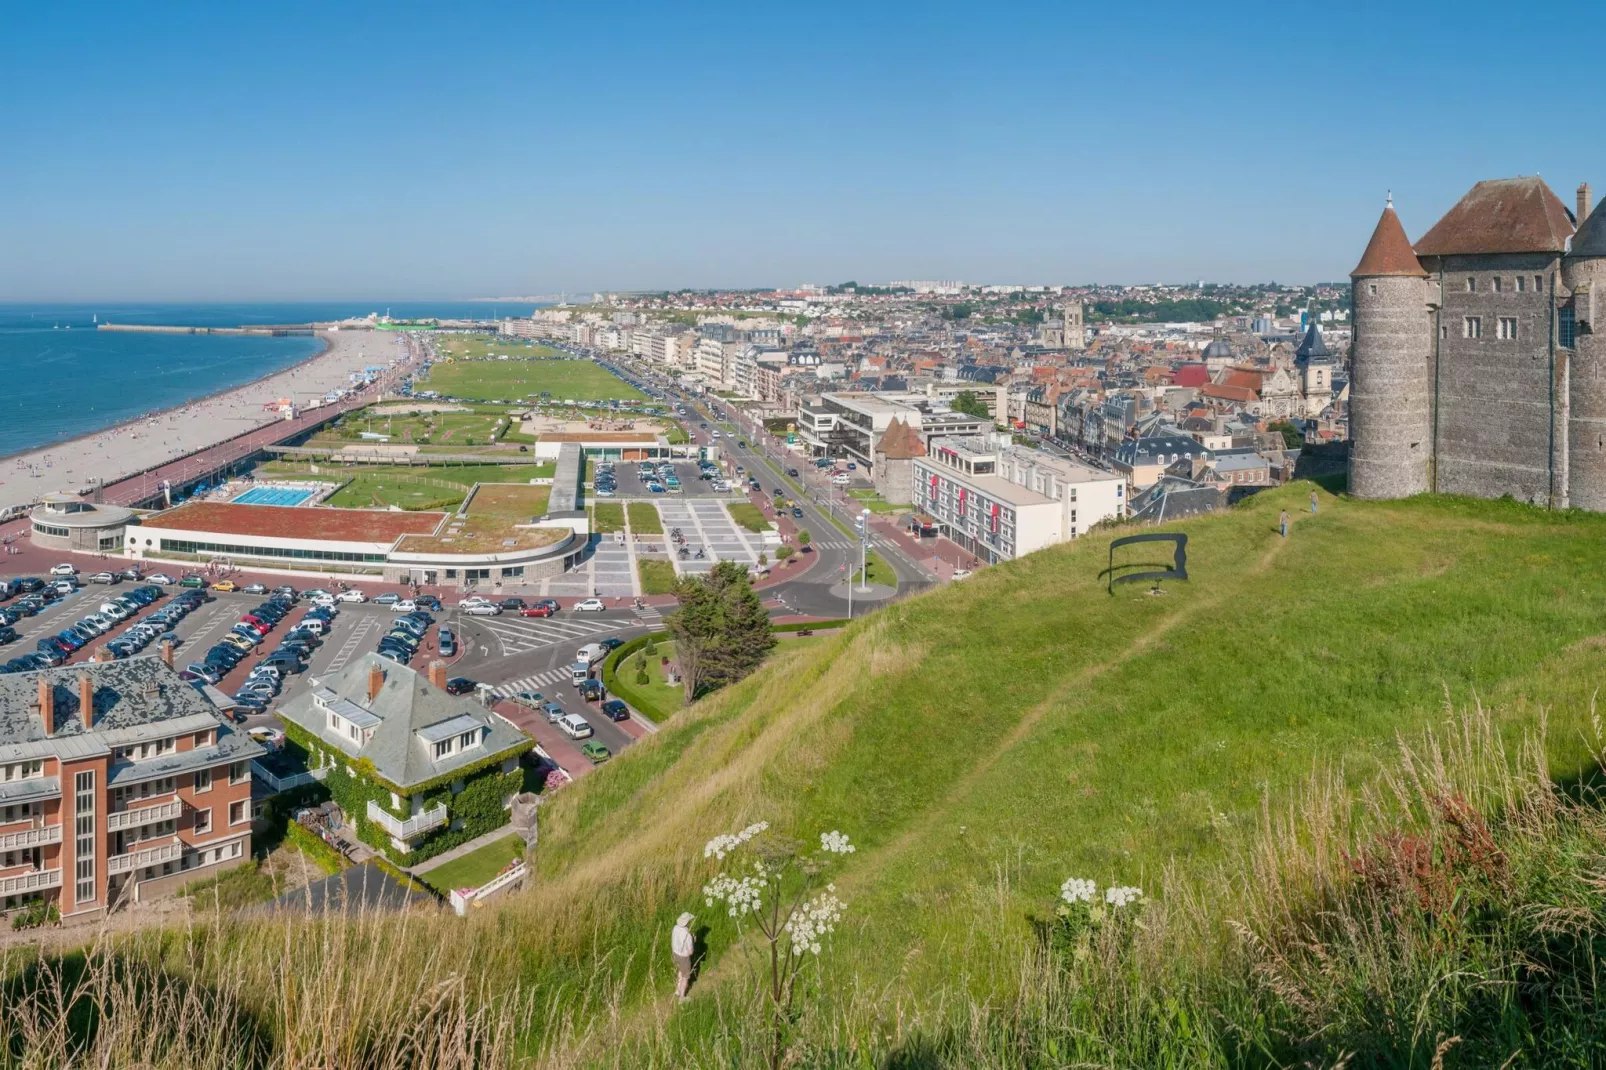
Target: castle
{"points": [[1475, 369]]}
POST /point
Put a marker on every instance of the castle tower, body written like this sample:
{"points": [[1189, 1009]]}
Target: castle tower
{"points": [[1391, 433], [1583, 273]]}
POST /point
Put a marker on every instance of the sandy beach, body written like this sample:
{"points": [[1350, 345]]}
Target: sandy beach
{"points": [[119, 451]]}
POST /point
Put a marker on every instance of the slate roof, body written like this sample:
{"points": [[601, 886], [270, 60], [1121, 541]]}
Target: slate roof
{"points": [[1591, 237], [1503, 215], [1312, 346], [1389, 252], [1217, 348], [407, 707], [1173, 498]]}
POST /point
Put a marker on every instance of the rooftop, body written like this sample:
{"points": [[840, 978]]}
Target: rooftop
{"points": [[273, 522], [1503, 215], [1389, 252]]}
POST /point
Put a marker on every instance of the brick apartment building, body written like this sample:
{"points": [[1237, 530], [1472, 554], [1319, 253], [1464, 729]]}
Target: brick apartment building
{"points": [[117, 781]]}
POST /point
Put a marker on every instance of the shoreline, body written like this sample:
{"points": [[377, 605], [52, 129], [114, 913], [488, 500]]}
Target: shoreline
{"points": [[146, 442], [157, 413]]}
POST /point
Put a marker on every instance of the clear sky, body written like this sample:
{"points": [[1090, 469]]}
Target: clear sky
{"points": [[339, 150]]}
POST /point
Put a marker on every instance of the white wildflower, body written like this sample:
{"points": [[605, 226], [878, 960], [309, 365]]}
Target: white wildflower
{"points": [[1077, 890], [836, 843], [741, 895], [814, 921], [725, 843], [1120, 897]]}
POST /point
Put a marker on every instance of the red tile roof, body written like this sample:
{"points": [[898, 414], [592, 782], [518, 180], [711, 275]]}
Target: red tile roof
{"points": [[1504, 215], [1389, 252], [280, 522], [1191, 375], [1228, 393]]}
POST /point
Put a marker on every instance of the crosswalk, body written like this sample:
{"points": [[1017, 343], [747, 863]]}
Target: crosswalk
{"points": [[349, 647], [524, 634], [834, 544], [535, 682]]}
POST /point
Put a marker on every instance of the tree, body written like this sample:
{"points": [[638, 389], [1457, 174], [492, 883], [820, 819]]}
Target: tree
{"points": [[968, 403], [721, 630], [1293, 438], [803, 537]]}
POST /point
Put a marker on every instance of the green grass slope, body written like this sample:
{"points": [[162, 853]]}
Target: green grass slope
{"points": [[1027, 722]]}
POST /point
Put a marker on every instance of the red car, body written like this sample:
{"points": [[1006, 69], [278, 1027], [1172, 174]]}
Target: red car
{"points": [[540, 609]]}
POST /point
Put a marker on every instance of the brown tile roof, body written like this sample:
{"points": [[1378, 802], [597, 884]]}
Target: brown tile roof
{"points": [[1229, 393], [1389, 252], [899, 442], [280, 522], [1503, 215]]}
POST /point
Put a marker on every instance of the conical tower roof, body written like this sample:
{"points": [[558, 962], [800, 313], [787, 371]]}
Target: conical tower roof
{"points": [[1591, 237], [1389, 252], [1312, 346]]}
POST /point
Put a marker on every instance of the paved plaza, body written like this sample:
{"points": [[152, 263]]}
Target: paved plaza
{"points": [[706, 524]]}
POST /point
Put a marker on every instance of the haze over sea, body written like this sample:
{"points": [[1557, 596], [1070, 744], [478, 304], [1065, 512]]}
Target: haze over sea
{"points": [[66, 379]]}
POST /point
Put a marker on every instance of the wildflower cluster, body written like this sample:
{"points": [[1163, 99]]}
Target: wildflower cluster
{"points": [[1119, 897], [741, 895], [814, 921], [836, 843], [725, 843], [1077, 890]]}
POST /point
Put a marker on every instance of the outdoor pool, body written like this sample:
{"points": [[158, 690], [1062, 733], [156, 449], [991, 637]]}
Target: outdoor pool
{"points": [[274, 496]]}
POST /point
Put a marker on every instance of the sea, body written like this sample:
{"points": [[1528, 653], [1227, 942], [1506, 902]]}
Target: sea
{"points": [[64, 378]]}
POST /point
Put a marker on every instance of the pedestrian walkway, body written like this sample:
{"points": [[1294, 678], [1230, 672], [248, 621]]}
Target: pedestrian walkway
{"points": [[707, 525], [533, 682], [519, 635]]}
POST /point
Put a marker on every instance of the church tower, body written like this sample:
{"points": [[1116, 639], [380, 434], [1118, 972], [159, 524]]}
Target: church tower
{"points": [[1072, 313], [1391, 433]]}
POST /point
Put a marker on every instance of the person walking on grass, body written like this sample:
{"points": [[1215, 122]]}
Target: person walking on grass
{"points": [[681, 946], [1282, 523], [1312, 503]]}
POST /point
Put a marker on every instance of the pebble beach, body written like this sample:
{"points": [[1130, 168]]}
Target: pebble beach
{"points": [[115, 452]]}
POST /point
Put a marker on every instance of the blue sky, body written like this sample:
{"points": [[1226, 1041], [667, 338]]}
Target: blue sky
{"points": [[393, 151]]}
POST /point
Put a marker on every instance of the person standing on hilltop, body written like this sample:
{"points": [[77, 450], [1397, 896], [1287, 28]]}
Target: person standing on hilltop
{"points": [[1282, 523], [681, 946], [1312, 503]]}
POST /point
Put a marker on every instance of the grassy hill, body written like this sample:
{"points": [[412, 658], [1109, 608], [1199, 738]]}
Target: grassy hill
{"points": [[983, 743]]}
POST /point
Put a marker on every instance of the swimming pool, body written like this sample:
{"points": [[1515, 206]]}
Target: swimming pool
{"points": [[273, 496]]}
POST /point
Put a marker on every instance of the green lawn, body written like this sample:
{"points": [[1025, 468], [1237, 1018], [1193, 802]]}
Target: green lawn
{"points": [[515, 380], [657, 698], [417, 487], [644, 519], [475, 868], [869, 499], [607, 517], [482, 347], [657, 577], [879, 571], [748, 516], [481, 427]]}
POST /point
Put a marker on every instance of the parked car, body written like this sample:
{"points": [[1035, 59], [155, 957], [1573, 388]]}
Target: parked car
{"points": [[460, 685], [472, 601], [590, 605], [225, 586], [255, 588], [532, 699], [486, 610], [448, 643], [429, 601], [192, 581], [64, 570], [404, 605], [104, 577], [553, 712], [511, 603], [159, 577], [574, 726], [389, 598], [540, 609], [352, 595], [590, 690]]}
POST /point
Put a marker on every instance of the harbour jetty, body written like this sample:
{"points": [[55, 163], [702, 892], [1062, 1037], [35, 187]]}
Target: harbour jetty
{"points": [[269, 330]]}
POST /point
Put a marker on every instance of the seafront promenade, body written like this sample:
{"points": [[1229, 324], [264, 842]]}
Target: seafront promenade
{"points": [[201, 435]]}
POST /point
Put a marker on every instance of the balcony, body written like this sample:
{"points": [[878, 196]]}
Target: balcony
{"points": [[277, 782], [171, 851], [134, 816], [32, 881], [412, 826], [37, 836]]}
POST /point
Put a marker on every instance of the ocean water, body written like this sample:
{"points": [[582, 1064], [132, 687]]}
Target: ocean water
{"points": [[63, 378]]}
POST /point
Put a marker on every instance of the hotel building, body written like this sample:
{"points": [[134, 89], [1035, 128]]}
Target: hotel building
{"points": [[118, 782], [1001, 502]]}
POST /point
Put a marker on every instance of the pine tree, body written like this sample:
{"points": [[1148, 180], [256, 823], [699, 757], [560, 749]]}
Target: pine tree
{"points": [[721, 630]]}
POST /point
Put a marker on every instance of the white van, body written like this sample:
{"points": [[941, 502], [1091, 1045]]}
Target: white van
{"points": [[574, 726], [591, 653], [579, 672]]}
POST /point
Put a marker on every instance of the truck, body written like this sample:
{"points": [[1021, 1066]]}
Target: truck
{"points": [[591, 653]]}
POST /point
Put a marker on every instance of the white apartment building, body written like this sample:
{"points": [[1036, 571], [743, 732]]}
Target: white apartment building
{"points": [[1000, 502]]}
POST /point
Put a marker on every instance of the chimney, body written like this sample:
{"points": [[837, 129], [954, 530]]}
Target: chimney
{"points": [[47, 703], [376, 680], [167, 654], [1583, 203], [86, 700], [437, 673]]}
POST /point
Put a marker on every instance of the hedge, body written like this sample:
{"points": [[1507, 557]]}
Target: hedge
{"points": [[318, 853]]}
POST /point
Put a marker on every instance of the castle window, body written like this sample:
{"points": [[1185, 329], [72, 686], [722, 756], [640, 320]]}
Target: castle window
{"points": [[1472, 284], [1372, 286], [1566, 327], [1499, 286], [1472, 327], [1522, 284], [1507, 328], [1539, 284]]}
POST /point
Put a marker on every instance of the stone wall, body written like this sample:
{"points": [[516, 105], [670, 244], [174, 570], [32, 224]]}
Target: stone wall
{"points": [[1498, 416]]}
